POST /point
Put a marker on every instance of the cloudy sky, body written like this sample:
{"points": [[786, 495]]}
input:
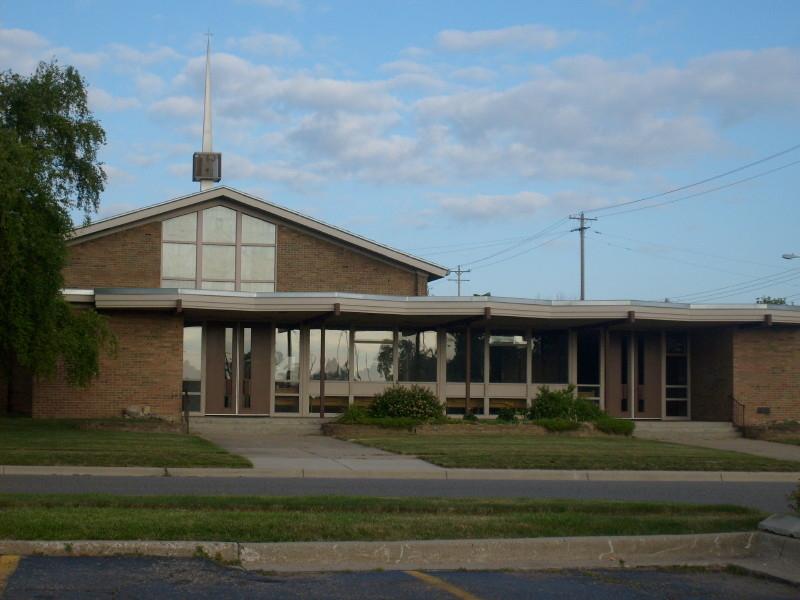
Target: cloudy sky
{"points": [[465, 132]]}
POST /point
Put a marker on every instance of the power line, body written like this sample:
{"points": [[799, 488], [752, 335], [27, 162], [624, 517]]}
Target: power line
{"points": [[704, 192], [696, 183], [558, 235], [459, 279], [742, 286], [530, 238]]}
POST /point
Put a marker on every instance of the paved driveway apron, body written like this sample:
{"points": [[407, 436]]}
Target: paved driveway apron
{"points": [[312, 452]]}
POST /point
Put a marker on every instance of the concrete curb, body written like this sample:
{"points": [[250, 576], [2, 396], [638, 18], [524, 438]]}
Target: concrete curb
{"points": [[759, 552], [436, 473]]}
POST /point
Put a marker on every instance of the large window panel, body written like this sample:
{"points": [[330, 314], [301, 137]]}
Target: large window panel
{"points": [[456, 348], [287, 359], [219, 262], [256, 231], [178, 261], [257, 286], [508, 357], [258, 262], [337, 353], [219, 225], [192, 366], [226, 286], [374, 356], [550, 358], [181, 229], [416, 356]]}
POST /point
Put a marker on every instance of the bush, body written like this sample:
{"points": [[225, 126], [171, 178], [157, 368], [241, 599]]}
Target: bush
{"points": [[557, 424], [413, 402], [614, 426], [562, 404], [358, 415], [507, 415], [470, 417]]}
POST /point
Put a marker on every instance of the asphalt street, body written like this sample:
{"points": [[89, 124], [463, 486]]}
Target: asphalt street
{"points": [[141, 577], [770, 497]]}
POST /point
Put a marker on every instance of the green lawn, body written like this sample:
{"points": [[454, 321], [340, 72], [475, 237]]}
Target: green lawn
{"points": [[66, 442], [264, 519], [519, 451]]}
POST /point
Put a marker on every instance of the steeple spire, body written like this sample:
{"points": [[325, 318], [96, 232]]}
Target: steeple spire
{"points": [[207, 99], [207, 164]]}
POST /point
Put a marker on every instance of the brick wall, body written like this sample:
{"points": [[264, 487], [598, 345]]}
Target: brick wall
{"points": [[307, 263], [766, 372], [130, 258], [711, 374], [148, 369]]}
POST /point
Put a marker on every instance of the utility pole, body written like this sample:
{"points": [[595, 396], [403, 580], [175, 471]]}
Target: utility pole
{"points": [[582, 228], [459, 272]]}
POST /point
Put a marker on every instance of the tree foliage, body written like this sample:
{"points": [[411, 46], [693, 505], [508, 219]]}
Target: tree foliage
{"points": [[48, 168], [770, 300]]}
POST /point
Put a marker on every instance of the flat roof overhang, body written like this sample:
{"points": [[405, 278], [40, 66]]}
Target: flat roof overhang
{"points": [[344, 309]]}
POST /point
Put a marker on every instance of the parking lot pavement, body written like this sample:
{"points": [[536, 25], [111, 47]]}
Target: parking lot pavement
{"points": [[141, 577]]}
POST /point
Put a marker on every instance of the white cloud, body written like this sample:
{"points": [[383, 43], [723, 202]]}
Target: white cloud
{"points": [[520, 37], [184, 107], [156, 54], [149, 84], [101, 100], [269, 44], [486, 207], [474, 74]]}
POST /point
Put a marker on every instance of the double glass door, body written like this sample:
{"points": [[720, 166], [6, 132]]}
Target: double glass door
{"points": [[237, 369]]}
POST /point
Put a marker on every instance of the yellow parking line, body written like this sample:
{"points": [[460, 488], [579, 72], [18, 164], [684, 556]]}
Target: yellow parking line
{"points": [[8, 564], [443, 585]]}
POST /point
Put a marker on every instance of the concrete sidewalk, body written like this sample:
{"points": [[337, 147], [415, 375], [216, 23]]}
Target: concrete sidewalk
{"points": [[743, 445], [375, 470]]}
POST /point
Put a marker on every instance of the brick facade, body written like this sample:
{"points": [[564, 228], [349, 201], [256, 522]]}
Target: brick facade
{"points": [[307, 263], [766, 372], [129, 258], [711, 370], [148, 369]]}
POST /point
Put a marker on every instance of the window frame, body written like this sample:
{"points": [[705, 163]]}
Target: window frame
{"points": [[199, 243]]}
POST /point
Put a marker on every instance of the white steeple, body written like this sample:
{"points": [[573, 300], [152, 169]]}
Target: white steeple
{"points": [[207, 164]]}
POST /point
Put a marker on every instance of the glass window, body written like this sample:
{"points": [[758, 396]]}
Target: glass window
{"points": [[219, 225], [178, 261], [677, 370], [337, 351], [219, 262], [181, 229], [416, 355], [373, 354], [192, 361], [256, 231], [258, 262], [456, 348], [550, 359], [287, 355], [247, 367], [588, 358], [257, 286], [177, 283], [227, 286], [228, 401], [508, 355]]}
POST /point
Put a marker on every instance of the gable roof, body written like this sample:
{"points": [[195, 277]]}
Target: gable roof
{"points": [[223, 192]]}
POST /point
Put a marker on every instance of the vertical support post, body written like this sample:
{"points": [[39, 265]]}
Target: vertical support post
{"points": [[468, 371], [582, 230], [322, 371]]}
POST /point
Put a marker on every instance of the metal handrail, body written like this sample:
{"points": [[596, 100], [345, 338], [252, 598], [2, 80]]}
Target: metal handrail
{"points": [[737, 412]]}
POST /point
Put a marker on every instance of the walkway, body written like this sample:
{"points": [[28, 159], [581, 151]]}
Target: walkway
{"points": [[312, 453], [755, 447]]}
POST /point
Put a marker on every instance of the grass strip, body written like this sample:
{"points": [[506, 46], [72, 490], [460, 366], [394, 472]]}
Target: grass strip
{"points": [[67, 442], [328, 518], [518, 451]]}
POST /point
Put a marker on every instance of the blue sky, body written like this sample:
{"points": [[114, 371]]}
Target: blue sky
{"points": [[456, 130]]}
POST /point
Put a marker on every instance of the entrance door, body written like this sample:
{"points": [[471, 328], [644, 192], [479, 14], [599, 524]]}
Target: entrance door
{"points": [[617, 389], [220, 370], [633, 375]]}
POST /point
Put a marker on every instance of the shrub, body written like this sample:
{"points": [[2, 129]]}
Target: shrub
{"points": [[556, 424], [507, 415], [357, 415], [562, 404], [413, 402], [471, 417], [614, 426]]}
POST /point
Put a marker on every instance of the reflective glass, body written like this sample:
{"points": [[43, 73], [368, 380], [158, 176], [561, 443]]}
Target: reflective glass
{"points": [[219, 225], [258, 262], [256, 231], [178, 260], [180, 229], [219, 262]]}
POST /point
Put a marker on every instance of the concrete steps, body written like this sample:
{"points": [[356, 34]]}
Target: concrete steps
{"points": [[266, 425], [708, 430]]}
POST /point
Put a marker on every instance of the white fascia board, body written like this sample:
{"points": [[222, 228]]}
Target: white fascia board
{"points": [[440, 306], [275, 210]]}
